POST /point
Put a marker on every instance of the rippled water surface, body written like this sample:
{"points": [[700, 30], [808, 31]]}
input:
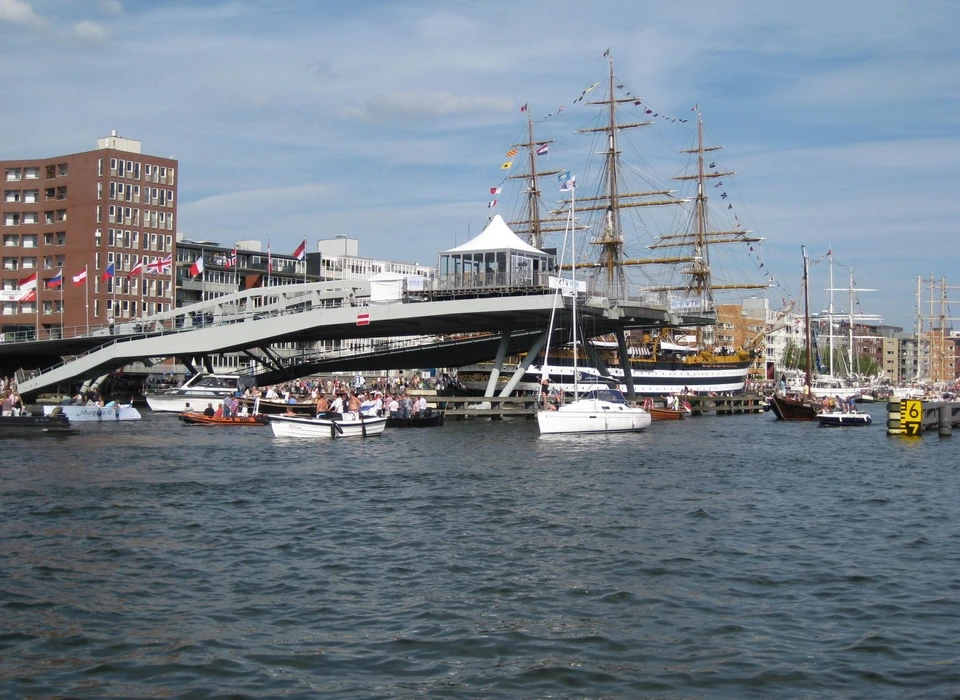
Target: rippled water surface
{"points": [[714, 557]]}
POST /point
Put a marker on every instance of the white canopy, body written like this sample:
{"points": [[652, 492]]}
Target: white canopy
{"points": [[386, 286], [496, 236]]}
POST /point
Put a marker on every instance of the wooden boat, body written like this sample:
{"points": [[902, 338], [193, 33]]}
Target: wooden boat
{"points": [[667, 413], [790, 408], [839, 418], [348, 425], [803, 407], [201, 419], [431, 420]]}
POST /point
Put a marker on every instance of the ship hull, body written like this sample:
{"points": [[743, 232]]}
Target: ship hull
{"points": [[659, 379]]}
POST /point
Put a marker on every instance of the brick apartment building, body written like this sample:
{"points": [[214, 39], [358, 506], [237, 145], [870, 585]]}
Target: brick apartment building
{"points": [[85, 212]]}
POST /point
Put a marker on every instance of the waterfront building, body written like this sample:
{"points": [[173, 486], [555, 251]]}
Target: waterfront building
{"points": [[88, 225]]}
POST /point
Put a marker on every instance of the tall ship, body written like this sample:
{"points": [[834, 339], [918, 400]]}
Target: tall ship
{"points": [[621, 206]]}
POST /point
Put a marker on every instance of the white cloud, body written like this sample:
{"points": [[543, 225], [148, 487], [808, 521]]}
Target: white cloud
{"points": [[90, 31], [20, 12]]}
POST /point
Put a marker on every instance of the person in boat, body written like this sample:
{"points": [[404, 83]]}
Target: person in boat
{"points": [[353, 404], [208, 411], [187, 408], [394, 407], [422, 407], [322, 406]]}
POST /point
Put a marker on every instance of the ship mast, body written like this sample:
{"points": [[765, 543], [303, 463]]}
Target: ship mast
{"points": [[533, 226], [610, 239]]}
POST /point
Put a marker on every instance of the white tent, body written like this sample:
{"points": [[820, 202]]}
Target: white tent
{"points": [[495, 258], [496, 236], [386, 287]]}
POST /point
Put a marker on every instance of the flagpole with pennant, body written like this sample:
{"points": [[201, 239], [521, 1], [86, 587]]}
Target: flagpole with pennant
{"points": [[301, 254]]}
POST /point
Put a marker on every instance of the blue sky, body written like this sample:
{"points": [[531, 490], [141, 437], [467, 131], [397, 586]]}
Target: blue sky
{"points": [[387, 121]]}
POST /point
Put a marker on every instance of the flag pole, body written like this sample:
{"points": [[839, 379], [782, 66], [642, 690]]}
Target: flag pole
{"points": [[86, 295], [36, 330], [62, 323]]}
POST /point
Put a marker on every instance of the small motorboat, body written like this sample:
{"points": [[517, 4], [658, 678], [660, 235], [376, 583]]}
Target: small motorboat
{"points": [[201, 419], [26, 425], [346, 425], [840, 418], [433, 419]]}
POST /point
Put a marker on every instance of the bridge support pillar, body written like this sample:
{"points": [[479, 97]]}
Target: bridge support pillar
{"points": [[625, 364], [538, 345], [491, 389]]}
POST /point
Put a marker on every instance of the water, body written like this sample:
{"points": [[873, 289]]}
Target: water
{"points": [[729, 557]]}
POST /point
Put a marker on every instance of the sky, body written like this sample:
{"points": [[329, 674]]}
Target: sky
{"points": [[387, 120]]}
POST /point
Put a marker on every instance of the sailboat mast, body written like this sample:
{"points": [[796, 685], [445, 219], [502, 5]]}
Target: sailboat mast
{"points": [[573, 280], [806, 319]]}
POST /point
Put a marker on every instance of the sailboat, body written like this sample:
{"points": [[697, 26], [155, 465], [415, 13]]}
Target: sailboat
{"points": [[599, 410], [801, 407], [661, 360]]}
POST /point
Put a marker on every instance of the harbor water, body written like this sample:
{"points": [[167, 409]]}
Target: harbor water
{"points": [[715, 557]]}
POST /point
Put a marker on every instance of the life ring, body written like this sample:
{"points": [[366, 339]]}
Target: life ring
{"points": [[647, 404]]}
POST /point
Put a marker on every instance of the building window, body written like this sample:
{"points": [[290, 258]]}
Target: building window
{"points": [[11, 240], [100, 167], [61, 237], [11, 263], [11, 196], [32, 173], [14, 175], [29, 241], [31, 217], [61, 214], [11, 219], [62, 169]]}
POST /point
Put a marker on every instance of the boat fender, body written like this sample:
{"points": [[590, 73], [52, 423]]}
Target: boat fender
{"points": [[99, 413]]}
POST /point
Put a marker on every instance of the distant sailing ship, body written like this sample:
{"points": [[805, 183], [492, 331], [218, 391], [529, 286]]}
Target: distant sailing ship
{"points": [[662, 361]]}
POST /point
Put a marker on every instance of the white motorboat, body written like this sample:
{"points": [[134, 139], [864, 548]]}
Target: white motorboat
{"points": [[348, 425], [603, 411], [110, 413], [841, 418], [197, 391]]}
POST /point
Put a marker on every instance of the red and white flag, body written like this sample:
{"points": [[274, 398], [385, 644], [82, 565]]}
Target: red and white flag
{"points": [[28, 283], [496, 190], [301, 250], [492, 203], [197, 267], [80, 278], [137, 269]]}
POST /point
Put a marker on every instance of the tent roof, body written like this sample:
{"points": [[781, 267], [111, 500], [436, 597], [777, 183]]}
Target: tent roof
{"points": [[387, 277], [496, 236]]}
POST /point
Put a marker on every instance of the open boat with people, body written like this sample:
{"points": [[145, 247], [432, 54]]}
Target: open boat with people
{"points": [[194, 418], [347, 425]]}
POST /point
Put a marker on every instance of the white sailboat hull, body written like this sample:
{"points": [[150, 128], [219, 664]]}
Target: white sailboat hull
{"points": [[348, 426], [593, 416]]}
